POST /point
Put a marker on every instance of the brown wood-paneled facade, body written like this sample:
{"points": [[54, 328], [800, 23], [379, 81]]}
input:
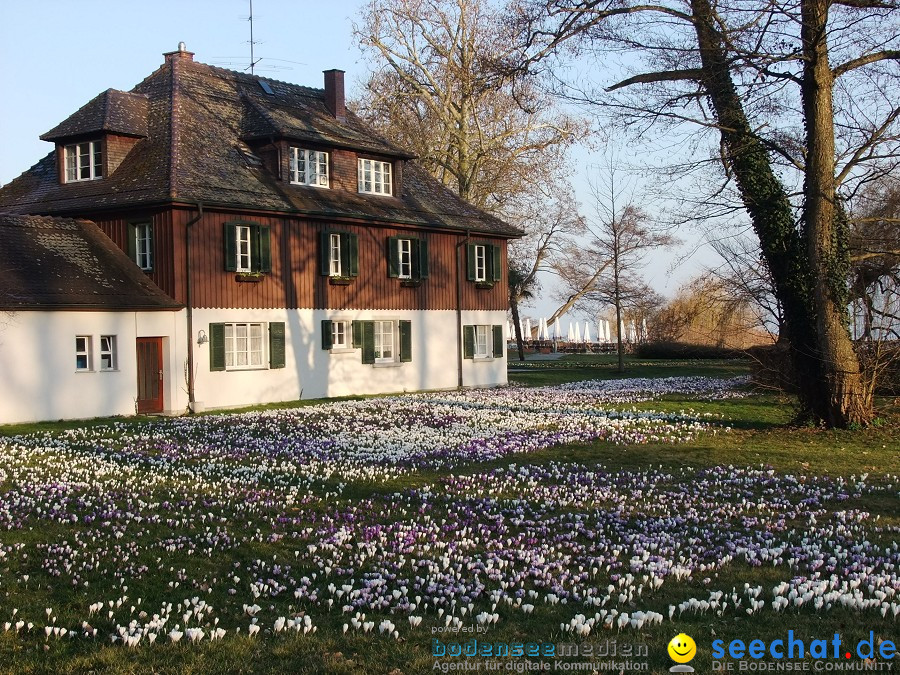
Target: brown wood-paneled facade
{"points": [[295, 280]]}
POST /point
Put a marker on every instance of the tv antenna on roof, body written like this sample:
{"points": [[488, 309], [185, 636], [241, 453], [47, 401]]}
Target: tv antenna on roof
{"points": [[253, 61]]}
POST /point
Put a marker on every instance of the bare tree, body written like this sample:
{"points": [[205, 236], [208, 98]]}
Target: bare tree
{"points": [[552, 221], [492, 136], [875, 258], [744, 276], [606, 269], [489, 135], [759, 79]]}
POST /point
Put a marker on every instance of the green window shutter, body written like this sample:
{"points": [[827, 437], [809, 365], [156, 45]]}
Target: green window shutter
{"points": [[405, 341], [368, 342], [496, 268], [470, 259], [498, 342], [230, 247], [352, 240], [130, 234], [469, 342], [357, 334], [276, 344], [324, 245], [420, 255], [263, 253], [326, 334], [393, 257], [217, 346]]}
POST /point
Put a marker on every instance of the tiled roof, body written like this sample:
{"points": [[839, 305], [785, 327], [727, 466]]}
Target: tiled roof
{"points": [[60, 263], [200, 120], [118, 112]]}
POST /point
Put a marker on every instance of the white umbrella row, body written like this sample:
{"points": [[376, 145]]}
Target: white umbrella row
{"points": [[580, 332]]}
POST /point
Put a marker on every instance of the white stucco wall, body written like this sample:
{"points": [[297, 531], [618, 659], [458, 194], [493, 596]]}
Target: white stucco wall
{"points": [[39, 381], [312, 372], [38, 378]]}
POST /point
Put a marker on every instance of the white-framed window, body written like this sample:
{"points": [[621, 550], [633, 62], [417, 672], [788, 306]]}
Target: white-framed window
{"points": [[143, 246], [247, 248], [374, 177], [482, 338], [334, 254], [480, 262], [84, 161], [384, 342], [404, 258], [108, 356], [244, 258], [340, 338], [83, 353], [309, 167], [244, 346]]}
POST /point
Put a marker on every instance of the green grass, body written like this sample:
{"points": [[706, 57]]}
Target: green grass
{"points": [[575, 367], [760, 435]]}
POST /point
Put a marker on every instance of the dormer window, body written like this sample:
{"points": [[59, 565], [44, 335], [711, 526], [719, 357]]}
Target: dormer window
{"points": [[84, 161], [309, 167], [374, 177]]}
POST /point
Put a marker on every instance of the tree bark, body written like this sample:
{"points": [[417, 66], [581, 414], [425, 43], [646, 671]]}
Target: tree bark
{"points": [[517, 326], [620, 347], [769, 209], [849, 395]]}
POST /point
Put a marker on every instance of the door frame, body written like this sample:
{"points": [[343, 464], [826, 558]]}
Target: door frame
{"points": [[157, 405]]}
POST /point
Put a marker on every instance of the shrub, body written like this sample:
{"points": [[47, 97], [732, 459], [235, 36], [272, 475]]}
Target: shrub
{"points": [[680, 350]]}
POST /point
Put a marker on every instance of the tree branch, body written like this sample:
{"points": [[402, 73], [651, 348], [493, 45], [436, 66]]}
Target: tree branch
{"points": [[694, 74], [886, 55]]}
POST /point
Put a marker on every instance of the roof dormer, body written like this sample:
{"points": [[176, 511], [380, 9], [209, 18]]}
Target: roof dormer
{"points": [[92, 142]]}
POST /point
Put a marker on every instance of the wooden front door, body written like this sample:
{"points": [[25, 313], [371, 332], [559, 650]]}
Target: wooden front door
{"points": [[149, 375]]}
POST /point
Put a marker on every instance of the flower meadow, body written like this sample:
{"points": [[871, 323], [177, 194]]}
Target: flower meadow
{"points": [[396, 517]]}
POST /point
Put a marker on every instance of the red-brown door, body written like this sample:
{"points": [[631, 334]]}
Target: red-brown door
{"points": [[149, 375]]}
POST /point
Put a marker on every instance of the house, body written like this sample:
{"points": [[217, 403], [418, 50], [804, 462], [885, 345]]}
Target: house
{"points": [[75, 313], [304, 255]]}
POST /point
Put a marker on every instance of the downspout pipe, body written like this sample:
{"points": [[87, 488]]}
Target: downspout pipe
{"points": [[189, 303], [459, 328]]}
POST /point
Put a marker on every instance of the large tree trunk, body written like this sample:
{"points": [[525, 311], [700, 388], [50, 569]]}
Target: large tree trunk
{"points": [[849, 396], [769, 209]]}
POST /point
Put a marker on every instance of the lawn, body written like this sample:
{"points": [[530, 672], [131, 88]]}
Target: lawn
{"points": [[600, 512]]}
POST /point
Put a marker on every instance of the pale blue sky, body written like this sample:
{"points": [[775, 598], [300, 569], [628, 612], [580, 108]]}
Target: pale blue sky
{"points": [[59, 54]]}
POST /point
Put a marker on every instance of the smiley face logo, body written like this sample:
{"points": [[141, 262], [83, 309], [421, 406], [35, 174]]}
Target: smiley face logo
{"points": [[682, 648]]}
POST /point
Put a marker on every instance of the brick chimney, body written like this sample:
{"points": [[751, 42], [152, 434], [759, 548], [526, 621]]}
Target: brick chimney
{"points": [[181, 53], [334, 93]]}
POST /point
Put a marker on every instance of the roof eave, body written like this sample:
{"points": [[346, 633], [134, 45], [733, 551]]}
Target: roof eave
{"points": [[344, 145]]}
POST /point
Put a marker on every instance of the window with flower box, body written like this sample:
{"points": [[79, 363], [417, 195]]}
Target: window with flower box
{"points": [[247, 248], [339, 254], [407, 258], [484, 264]]}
